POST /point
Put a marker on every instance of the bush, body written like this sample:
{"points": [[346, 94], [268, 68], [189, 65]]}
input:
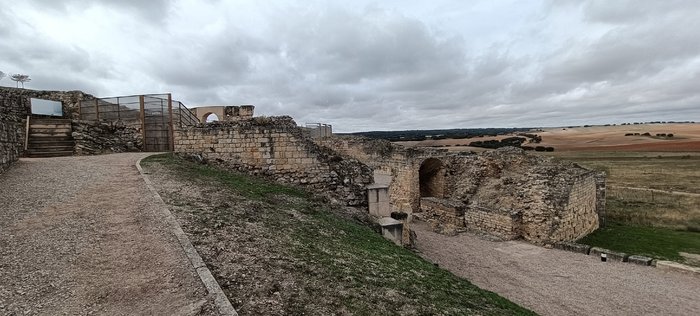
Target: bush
{"points": [[629, 134], [540, 148], [549, 148], [528, 148], [669, 135], [646, 134]]}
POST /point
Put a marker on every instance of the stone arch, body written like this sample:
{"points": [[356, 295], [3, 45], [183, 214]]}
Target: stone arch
{"points": [[208, 115], [431, 178]]}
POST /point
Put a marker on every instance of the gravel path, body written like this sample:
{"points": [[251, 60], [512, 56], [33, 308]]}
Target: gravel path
{"points": [[555, 282], [80, 236]]}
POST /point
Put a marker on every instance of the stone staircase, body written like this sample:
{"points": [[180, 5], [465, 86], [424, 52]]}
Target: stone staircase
{"points": [[50, 137]]}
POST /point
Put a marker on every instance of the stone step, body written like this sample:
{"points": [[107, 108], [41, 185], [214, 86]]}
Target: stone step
{"points": [[49, 135], [47, 154], [50, 130], [33, 125], [49, 138], [33, 121], [51, 142], [49, 148]]}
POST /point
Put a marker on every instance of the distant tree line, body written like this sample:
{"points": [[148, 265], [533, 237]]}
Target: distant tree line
{"points": [[458, 133]]}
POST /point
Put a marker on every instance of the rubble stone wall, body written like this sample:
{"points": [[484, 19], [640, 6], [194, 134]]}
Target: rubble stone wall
{"points": [[277, 147], [14, 108], [94, 138]]}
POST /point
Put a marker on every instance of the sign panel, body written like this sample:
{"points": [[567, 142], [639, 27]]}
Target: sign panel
{"points": [[46, 107]]}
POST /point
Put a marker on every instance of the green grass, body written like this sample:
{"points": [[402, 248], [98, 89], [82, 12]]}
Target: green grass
{"points": [[338, 263], [654, 242], [249, 187]]}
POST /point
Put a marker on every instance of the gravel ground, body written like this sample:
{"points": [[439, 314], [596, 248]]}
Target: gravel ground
{"points": [[555, 282], [79, 236]]}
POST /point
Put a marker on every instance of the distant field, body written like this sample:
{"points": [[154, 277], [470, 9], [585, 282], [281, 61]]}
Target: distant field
{"points": [[686, 138], [661, 190], [653, 202]]}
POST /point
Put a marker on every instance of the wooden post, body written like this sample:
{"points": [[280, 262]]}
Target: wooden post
{"points": [[143, 121], [171, 135], [97, 109], [26, 135]]}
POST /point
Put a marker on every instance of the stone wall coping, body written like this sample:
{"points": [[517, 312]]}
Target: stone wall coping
{"points": [[388, 221]]}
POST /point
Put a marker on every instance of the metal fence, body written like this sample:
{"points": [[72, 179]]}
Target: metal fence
{"points": [[156, 115]]}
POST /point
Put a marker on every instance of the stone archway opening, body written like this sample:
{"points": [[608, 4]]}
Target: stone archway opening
{"points": [[210, 117], [431, 178]]}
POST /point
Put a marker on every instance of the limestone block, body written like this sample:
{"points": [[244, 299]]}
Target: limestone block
{"points": [[640, 260], [572, 246]]}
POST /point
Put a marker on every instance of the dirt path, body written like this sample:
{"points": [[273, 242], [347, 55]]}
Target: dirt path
{"points": [[555, 282], [660, 191], [79, 236]]}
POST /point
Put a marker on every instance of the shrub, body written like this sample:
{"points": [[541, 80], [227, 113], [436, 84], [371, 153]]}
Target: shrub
{"points": [[646, 134], [549, 148], [629, 134], [669, 135], [528, 148], [540, 148]]}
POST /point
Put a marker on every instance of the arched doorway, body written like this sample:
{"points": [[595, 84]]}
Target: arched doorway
{"points": [[431, 178], [210, 117]]}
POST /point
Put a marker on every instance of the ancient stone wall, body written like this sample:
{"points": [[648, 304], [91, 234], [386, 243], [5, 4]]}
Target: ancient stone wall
{"points": [[277, 147], [505, 192], [94, 138], [14, 108], [498, 223]]}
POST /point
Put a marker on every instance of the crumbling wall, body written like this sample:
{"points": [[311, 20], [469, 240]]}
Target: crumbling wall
{"points": [[94, 138], [506, 192], [14, 108], [277, 147], [69, 99]]}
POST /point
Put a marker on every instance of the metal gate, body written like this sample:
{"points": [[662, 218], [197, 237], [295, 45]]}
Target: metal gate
{"points": [[157, 116]]}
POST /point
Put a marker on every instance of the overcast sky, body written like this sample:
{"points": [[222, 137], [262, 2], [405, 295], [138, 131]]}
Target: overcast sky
{"points": [[373, 65]]}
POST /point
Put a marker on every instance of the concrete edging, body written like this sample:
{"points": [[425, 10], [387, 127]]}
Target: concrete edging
{"points": [[222, 302], [623, 257]]}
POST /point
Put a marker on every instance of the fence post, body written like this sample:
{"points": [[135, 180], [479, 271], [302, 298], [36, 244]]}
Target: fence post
{"points": [[143, 121], [170, 122], [97, 109]]}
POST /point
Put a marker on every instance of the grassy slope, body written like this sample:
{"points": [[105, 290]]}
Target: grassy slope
{"points": [[351, 267], [640, 222]]}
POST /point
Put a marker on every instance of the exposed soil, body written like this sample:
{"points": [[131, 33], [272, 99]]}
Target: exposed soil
{"points": [[79, 236], [556, 282]]}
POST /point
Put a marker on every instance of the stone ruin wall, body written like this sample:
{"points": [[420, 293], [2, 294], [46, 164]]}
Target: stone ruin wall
{"points": [[96, 138], [277, 147], [505, 193], [13, 119]]}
